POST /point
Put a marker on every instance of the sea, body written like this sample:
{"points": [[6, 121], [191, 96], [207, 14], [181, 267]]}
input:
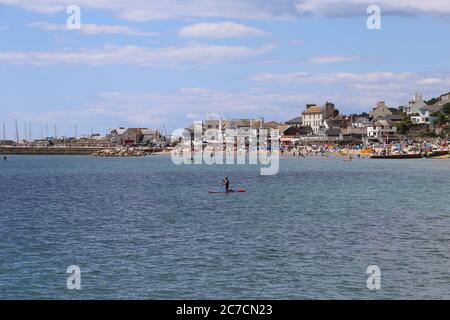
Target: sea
{"points": [[145, 228]]}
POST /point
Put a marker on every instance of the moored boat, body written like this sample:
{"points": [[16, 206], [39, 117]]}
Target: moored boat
{"points": [[433, 154]]}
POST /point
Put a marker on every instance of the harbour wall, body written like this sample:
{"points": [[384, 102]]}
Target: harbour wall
{"points": [[48, 150]]}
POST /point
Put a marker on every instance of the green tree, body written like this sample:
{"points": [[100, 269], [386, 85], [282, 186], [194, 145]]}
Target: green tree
{"points": [[403, 127], [446, 109], [441, 119], [432, 101]]}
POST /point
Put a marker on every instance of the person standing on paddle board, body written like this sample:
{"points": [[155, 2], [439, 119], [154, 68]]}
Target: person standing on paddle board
{"points": [[226, 183]]}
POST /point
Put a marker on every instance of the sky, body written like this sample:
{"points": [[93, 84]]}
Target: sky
{"points": [[165, 64]]}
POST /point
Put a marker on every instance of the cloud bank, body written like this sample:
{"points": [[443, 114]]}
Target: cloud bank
{"points": [[146, 10], [175, 56]]}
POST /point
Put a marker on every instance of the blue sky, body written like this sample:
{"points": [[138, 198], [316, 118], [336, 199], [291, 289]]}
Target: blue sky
{"points": [[155, 64]]}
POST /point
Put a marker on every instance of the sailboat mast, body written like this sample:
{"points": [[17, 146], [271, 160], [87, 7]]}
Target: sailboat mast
{"points": [[25, 131], [17, 133], [4, 132]]}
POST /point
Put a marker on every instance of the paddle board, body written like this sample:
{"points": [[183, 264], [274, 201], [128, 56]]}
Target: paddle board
{"points": [[222, 190]]}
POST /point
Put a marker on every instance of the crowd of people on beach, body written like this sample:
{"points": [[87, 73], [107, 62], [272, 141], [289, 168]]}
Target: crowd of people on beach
{"points": [[366, 150]]}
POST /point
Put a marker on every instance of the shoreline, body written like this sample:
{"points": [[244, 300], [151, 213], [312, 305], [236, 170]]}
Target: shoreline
{"points": [[95, 151]]}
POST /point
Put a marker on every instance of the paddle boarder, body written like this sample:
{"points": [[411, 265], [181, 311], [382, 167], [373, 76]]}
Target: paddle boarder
{"points": [[226, 184]]}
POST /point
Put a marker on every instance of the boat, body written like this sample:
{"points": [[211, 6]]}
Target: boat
{"points": [[433, 154]]}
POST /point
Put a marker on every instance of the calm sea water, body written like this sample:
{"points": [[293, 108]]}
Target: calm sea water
{"points": [[147, 229]]}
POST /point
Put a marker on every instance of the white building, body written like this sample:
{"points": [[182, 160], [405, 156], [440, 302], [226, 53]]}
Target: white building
{"points": [[415, 105], [314, 116], [424, 117], [381, 131]]}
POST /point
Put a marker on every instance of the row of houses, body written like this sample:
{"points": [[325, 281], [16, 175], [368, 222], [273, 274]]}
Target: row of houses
{"points": [[379, 125], [315, 124], [325, 123], [232, 130]]}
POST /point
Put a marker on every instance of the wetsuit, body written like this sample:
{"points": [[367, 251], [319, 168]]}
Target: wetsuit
{"points": [[227, 184]]}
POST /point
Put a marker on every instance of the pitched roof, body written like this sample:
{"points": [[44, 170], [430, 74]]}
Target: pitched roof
{"points": [[119, 130], [313, 109], [296, 120], [242, 123], [382, 123], [135, 130], [272, 125], [149, 131], [417, 104], [392, 117], [283, 128]]}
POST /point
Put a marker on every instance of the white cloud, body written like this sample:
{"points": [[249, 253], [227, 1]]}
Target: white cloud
{"points": [[174, 57], [333, 59], [331, 78], [181, 107], [94, 29], [358, 7], [389, 86], [145, 10], [175, 109], [221, 30], [433, 81]]}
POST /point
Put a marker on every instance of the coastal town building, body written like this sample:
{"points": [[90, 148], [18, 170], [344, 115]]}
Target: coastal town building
{"points": [[244, 126], [445, 98], [271, 125], [314, 116], [414, 105], [338, 121], [395, 118], [133, 136], [423, 116], [359, 120], [438, 106], [213, 130], [381, 110], [354, 134], [297, 121], [213, 124], [325, 124], [289, 134], [333, 134], [7, 143], [149, 136], [236, 130], [382, 131]]}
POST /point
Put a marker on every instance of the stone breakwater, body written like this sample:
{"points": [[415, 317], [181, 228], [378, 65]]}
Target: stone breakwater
{"points": [[82, 151], [121, 152]]}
